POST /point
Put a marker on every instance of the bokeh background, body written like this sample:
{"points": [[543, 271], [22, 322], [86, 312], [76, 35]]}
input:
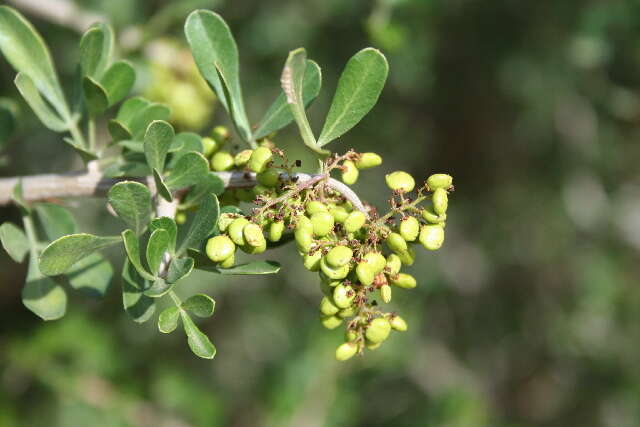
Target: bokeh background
{"points": [[528, 316]]}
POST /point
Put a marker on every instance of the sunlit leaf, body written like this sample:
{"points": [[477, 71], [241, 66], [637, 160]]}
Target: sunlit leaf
{"points": [[62, 253], [168, 319], [199, 304], [132, 202], [14, 241], [198, 342]]}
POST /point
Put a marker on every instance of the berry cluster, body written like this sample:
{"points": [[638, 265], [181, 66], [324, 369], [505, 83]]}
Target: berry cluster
{"points": [[357, 253]]}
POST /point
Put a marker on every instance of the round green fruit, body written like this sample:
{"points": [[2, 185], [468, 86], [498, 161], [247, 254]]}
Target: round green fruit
{"points": [[220, 248]]}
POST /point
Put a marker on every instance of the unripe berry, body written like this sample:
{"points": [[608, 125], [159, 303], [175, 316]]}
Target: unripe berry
{"points": [[347, 312], [269, 178], [304, 239], [339, 256], [220, 248], [396, 243], [181, 218], [312, 262], [350, 172], [334, 273], [322, 223], [339, 213], [253, 235], [242, 158], [220, 134], [209, 146], [350, 335], [432, 217], [354, 221], [409, 228], [275, 231], [315, 206], [378, 330], [398, 323], [385, 293], [376, 260], [368, 160], [228, 263], [393, 264], [439, 180], [260, 157], [440, 201], [260, 190], [346, 351], [343, 295], [408, 257], [235, 230], [327, 307], [254, 250], [222, 161], [304, 223], [432, 236], [404, 280], [372, 345], [400, 181], [330, 322], [224, 221], [365, 273]]}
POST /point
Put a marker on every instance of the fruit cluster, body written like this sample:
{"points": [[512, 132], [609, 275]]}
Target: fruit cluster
{"points": [[357, 253]]}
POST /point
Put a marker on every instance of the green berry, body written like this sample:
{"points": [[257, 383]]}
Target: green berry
{"points": [[220, 248], [222, 161], [350, 335], [396, 243], [224, 221], [376, 260], [228, 263], [339, 213], [181, 218], [372, 346], [315, 206], [220, 134], [350, 172], [404, 280], [254, 250], [330, 322], [209, 146], [408, 257], [354, 221], [347, 312], [312, 262], [322, 223], [260, 190], [432, 236], [432, 217], [400, 181], [304, 239], [253, 235], [343, 295], [235, 230], [269, 178], [339, 256], [409, 228], [368, 160], [346, 351], [334, 273], [365, 273], [304, 223], [439, 180], [378, 330], [242, 158], [393, 264], [327, 307], [385, 293], [440, 201], [275, 231], [398, 323], [260, 157]]}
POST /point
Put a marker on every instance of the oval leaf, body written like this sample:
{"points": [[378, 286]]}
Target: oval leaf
{"points": [[118, 81], [132, 247], [190, 169], [157, 246], [42, 295], [61, 254], [96, 48], [139, 306], [132, 202], [179, 269], [199, 304], [95, 96], [14, 241], [203, 224], [169, 225], [168, 319], [56, 220], [91, 275], [358, 90], [46, 115], [198, 342], [157, 141]]}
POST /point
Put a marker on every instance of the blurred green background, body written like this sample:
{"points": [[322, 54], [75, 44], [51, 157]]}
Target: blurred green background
{"points": [[528, 316]]}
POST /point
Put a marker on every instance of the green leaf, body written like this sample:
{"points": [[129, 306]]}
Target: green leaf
{"points": [[168, 319], [134, 117], [199, 304], [209, 184], [169, 225], [157, 246], [190, 169], [279, 114], [96, 48], [27, 52], [18, 198], [132, 202], [56, 220], [212, 43], [118, 81], [141, 120], [95, 96], [14, 241], [179, 269], [158, 288], [118, 130], [91, 275], [157, 141], [292, 81], [132, 247], [203, 224], [42, 295], [198, 342], [358, 90], [86, 155], [139, 306], [45, 114], [131, 108], [162, 187], [62, 253], [190, 142], [252, 268]]}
